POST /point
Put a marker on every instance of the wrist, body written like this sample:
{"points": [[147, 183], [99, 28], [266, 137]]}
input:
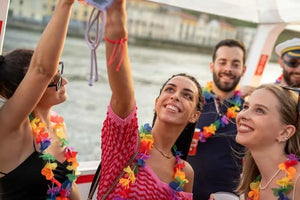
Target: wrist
{"points": [[116, 31]]}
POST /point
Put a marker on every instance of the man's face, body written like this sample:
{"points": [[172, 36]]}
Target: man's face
{"points": [[291, 70], [228, 68]]}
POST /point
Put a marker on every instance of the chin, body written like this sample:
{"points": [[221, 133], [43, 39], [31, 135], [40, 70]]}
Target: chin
{"points": [[241, 140]]}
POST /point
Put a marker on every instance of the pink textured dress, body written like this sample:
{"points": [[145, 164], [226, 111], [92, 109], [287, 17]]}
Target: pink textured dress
{"points": [[119, 141]]}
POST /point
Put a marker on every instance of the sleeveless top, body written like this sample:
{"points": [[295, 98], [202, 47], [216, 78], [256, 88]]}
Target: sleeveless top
{"points": [[119, 141], [26, 180]]}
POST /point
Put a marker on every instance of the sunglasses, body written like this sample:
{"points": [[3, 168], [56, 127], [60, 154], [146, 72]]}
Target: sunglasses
{"points": [[298, 104], [291, 64], [60, 71]]}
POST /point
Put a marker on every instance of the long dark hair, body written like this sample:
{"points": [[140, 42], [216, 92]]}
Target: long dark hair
{"points": [[184, 140]]}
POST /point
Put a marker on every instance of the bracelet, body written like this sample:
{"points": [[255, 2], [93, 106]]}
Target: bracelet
{"points": [[120, 41], [118, 49]]}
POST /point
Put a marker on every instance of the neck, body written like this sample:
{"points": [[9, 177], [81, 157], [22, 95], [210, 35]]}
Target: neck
{"points": [[165, 135], [221, 94], [267, 164]]}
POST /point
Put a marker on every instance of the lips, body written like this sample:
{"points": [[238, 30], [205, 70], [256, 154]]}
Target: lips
{"points": [[172, 108], [226, 76], [243, 128]]}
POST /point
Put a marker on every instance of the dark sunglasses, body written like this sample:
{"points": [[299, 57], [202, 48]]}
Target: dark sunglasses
{"points": [[291, 64], [298, 104], [60, 71]]}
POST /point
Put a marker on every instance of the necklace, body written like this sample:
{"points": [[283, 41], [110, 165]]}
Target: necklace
{"points": [[224, 119], [56, 190], [285, 184], [168, 156], [268, 183], [146, 145]]}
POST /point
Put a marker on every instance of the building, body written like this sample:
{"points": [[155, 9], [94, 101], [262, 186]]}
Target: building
{"points": [[146, 21]]}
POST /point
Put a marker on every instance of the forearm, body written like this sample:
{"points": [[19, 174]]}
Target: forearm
{"points": [[121, 83], [49, 48]]}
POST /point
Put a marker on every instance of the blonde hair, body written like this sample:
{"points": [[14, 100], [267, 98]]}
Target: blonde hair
{"points": [[288, 102]]}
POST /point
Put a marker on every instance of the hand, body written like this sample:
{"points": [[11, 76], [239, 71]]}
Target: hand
{"points": [[246, 90], [194, 144], [211, 197]]}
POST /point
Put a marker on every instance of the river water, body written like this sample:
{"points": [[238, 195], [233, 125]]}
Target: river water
{"points": [[85, 109]]}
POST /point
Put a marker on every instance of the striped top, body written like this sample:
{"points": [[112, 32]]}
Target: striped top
{"points": [[119, 141]]}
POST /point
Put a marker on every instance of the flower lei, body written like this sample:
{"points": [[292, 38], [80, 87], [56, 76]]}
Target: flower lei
{"points": [[285, 184], [44, 141], [146, 144], [236, 101]]}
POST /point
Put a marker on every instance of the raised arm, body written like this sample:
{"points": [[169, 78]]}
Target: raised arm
{"points": [[122, 99], [42, 68]]}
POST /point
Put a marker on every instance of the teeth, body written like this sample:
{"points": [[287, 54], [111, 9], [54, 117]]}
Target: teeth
{"points": [[244, 128], [173, 108]]}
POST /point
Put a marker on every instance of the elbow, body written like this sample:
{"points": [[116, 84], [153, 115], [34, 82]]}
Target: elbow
{"points": [[122, 107]]}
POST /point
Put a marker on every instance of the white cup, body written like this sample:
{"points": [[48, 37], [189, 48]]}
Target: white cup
{"points": [[225, 196]]}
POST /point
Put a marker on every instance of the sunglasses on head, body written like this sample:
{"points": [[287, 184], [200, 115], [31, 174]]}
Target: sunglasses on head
{"points": [[297, 90], [60, 71], [292, 64]]}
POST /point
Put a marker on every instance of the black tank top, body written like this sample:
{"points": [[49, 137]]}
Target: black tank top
{"points": [[27, 182]]}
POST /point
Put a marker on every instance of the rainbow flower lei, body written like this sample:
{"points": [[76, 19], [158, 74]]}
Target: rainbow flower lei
{"points": [[285, 184], [44, 141], [235, 101], [146, 144]]}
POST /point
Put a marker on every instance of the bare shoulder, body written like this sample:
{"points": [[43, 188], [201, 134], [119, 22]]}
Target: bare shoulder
{"points": [[189, 175], [188, 170]]}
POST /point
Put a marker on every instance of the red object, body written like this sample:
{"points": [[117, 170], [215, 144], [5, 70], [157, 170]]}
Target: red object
{"points": [[261, 64], [193, 150], [0, 26], [85, 178]]}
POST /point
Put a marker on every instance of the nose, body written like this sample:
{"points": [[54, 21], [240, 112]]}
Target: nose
{"points": [[64, 81], [243, 115], [175, 96], [227, 67]]}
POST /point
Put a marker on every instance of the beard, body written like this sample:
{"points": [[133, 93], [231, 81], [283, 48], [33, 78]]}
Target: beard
{"points": [[287, 79], [225, 87]]}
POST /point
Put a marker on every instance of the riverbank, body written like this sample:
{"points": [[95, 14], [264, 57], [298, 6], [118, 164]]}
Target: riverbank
{"points": [[137, 41]]}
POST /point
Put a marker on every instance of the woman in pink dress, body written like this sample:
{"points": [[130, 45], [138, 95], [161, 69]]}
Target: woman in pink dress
{"points": [[157, 171]]}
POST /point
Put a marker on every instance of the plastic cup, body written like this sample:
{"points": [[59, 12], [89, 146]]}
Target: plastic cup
{"points": [[225, 196], [195, 141]]}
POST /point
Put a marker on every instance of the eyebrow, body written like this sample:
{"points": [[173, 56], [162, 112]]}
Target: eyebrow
{"points": [[185, 89]]}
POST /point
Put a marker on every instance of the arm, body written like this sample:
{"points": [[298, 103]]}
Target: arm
{"points": [[122, 99], [189, 173], [42, 68]]}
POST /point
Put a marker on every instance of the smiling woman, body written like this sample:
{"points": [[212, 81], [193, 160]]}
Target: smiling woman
{"points": [[271, 133], [155, 173], [35, 157]]}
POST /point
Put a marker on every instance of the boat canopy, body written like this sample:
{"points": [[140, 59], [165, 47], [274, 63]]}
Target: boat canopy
{"points": [[271, 17]]}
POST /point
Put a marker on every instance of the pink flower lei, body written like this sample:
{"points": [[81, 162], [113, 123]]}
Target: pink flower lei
{"points": [[223, 120], [56, 190], [146, 144]]}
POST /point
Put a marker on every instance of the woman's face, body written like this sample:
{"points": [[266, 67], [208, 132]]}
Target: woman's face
{"points": [[52, 97], [258, 123], [177, 102]]}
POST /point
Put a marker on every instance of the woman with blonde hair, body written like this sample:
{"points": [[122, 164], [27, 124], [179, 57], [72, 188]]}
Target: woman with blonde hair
{"points": [[268, 126]]}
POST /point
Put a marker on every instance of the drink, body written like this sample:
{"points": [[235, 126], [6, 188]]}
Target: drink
{"points": [[194, 143]]}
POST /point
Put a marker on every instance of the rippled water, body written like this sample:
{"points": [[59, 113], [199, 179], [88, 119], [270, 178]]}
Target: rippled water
{"points": [[85, 109]]}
